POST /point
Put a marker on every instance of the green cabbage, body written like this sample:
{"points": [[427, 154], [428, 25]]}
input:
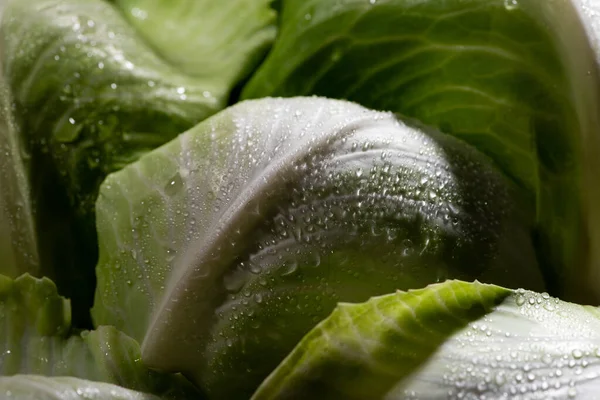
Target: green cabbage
{"points": [[299, 199]]}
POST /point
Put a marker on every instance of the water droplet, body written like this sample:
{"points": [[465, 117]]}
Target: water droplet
{"points": [[511, 4], [500, 379], [519, 377], [408, 247], [254, 267], [101, 65], [174, 185], [235, 280], [72, 121], [113, 86], [171, 254], [577, 354], [291, 268]]}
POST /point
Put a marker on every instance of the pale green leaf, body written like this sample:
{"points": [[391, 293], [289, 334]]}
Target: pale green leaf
{"points": [[35, 327], [18, 234], [214, 40], [35, 387], [454, 340], [221, 249]]}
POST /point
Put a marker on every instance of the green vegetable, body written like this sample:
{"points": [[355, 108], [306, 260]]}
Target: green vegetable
{"points": [[33, 387], [37, 339], [271, 212], [219, 43], [91, 94], [299, 199], [512, 78], [450, 340], [18, 237]]}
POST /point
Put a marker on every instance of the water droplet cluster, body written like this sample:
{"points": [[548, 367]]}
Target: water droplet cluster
{"points": [[532, 346]]}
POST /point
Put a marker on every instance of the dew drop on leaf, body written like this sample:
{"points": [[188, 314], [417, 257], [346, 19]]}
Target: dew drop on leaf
{"points": [[408, 247], [235, 280], [520, 300], [170, 254], [174, 185]]}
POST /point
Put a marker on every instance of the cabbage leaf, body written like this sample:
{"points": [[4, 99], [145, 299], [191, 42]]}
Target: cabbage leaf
{"points": [[228, 244]]}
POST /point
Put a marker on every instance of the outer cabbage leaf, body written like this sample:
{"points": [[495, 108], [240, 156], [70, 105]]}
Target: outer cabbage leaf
{"points": [[35, 324], [454, 340], [18, 239], [516, 79], [588, 88], [91, 94], [220, 41], [35, 387], [221, 249]]}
